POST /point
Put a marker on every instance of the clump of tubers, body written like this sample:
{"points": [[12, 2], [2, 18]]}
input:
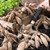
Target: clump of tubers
{"points": [[43, 20], [16, 27], [36, 37]]}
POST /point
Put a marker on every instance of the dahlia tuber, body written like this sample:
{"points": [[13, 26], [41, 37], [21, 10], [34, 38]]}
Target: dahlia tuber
{"points": [[9, 45], [44, 41], [37, 44], [4, 46], [23, 44], [19, 20]]}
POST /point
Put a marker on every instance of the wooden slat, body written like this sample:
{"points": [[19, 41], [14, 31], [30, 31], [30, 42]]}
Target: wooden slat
{"points": [[33, 1]]}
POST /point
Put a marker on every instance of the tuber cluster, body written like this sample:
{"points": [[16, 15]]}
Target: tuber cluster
{"points": [[16, 28]]}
